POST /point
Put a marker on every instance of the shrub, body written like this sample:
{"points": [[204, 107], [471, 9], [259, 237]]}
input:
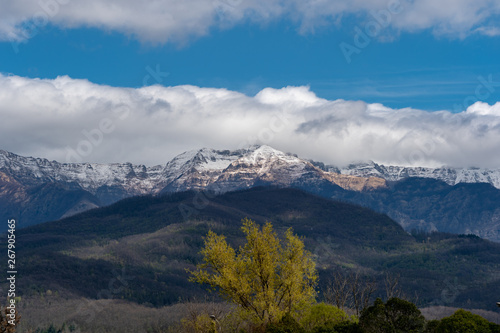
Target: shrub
{"points": [[287, 324], [464, 322], [396, 315], [200, 323], [322, 314], [431, 326], [342, 327]]}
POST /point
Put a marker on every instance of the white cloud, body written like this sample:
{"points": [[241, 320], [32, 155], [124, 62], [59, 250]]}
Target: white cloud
{"points": [[150, 125], [160, 21], [488, 31], [484, 109]]}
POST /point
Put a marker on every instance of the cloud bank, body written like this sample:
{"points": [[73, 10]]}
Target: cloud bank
{"points": [[75, 120], [162, 21]]}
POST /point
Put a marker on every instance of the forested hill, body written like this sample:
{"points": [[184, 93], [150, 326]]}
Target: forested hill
{"points": [[152, 240]]}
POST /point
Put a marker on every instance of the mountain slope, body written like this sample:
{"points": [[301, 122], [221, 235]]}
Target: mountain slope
{"points": [[147, 240], [432, 205]]}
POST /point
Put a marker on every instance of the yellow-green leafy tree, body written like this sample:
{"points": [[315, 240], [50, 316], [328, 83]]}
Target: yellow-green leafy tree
{"points": [[266, 277]]}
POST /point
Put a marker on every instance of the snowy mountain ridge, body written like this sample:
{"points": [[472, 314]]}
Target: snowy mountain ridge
{"points": [[31, 171], [451, 176], [209, 168], [36, 190]]}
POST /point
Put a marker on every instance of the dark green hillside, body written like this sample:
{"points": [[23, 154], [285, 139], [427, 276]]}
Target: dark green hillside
{"points": [[429, 204], [142, 246]]}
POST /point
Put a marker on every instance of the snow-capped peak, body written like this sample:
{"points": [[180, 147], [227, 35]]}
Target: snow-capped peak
{"points": [[202, 160], [265, 154]]}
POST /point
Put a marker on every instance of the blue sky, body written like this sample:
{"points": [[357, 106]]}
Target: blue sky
{"points": [[419, 70], [410, 58]]}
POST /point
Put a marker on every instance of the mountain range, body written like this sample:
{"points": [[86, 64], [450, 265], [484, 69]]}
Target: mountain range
{"points": [[36, 190]]}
